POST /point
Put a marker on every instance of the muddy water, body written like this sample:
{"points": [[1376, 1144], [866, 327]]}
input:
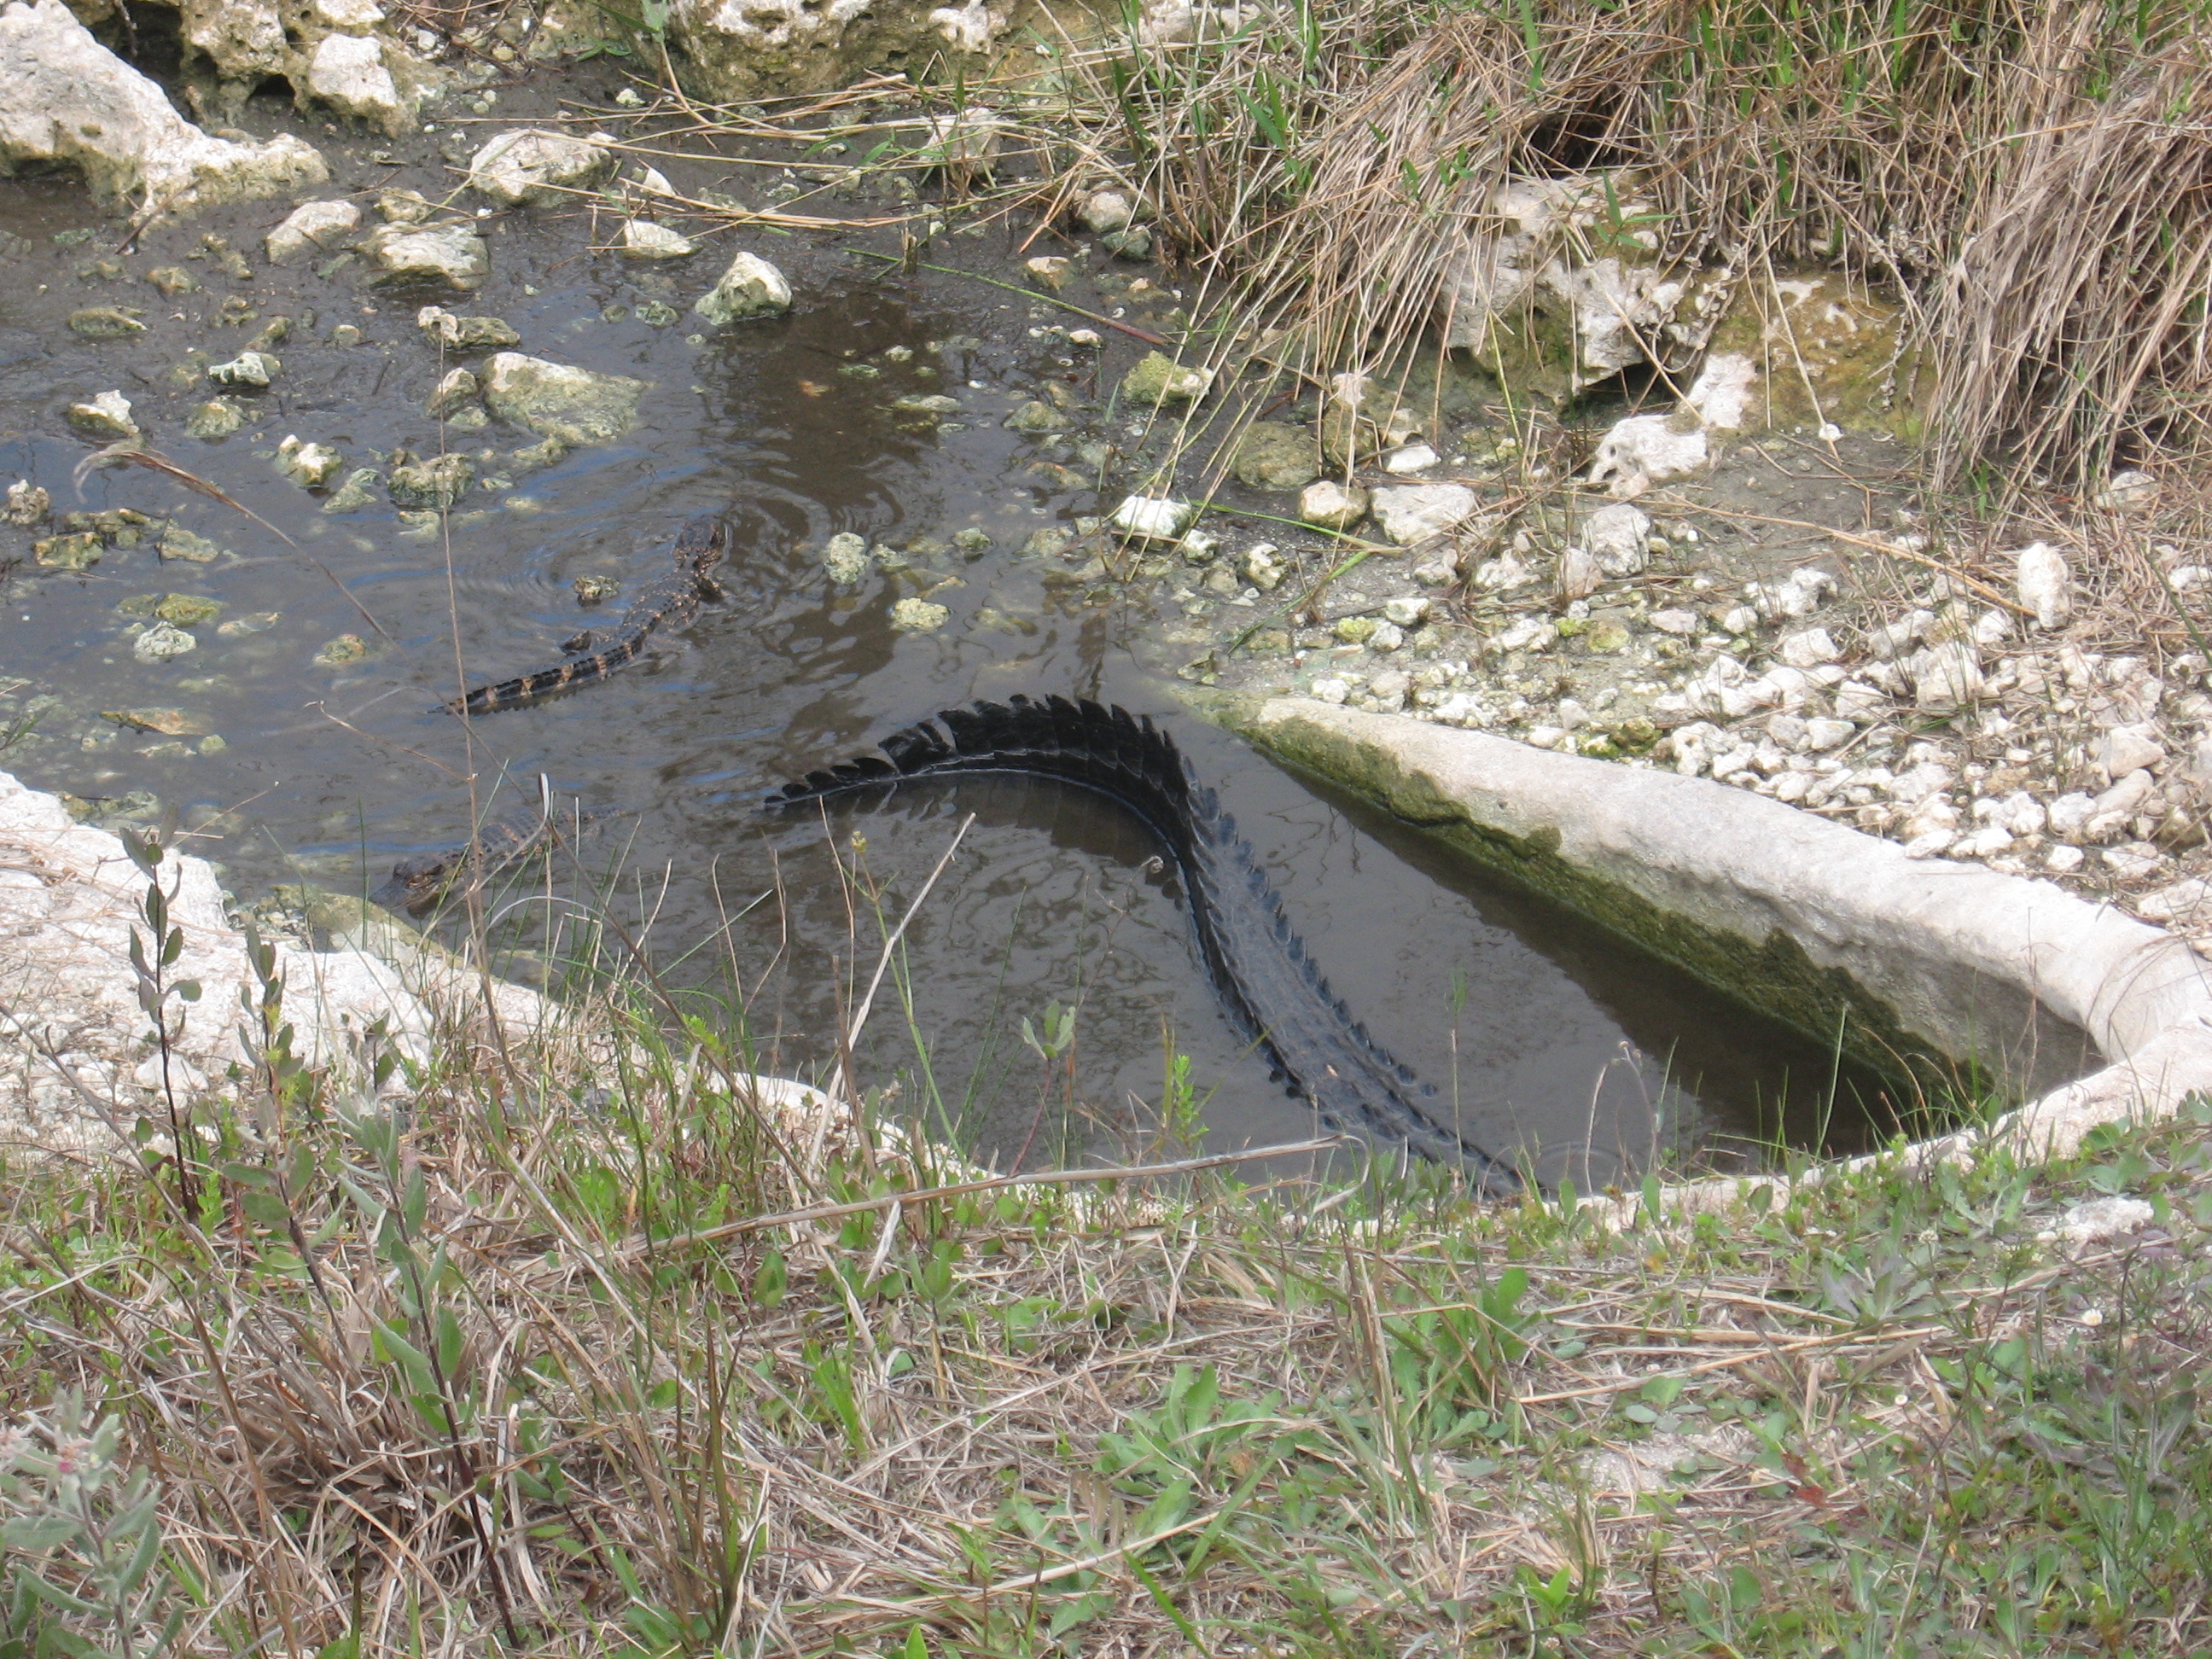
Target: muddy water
{"points": [[1537, 1032]]}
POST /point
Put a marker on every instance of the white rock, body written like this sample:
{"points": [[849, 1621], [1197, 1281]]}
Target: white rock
{"points": [[1944, 677], [1579, 574], [1152, 518], [576, 406], [2124, 749], [528, 166], [1857, 701], [1738, 619], [311, 465], [162, 641], [411, 254], [971, 25], [1332, 690], [1991, 628], [1616, 535], [1410, 610], [2069, 814], [248, 368], [348, 72], [641, 238], [355, 16], [1413, 458], [966, 142], [1104, 211], [2127, 492], [108, 415], [2097, 1218], [1721, 395], [2188, 578], [1680, 623], [1803, 590], [2133, 861], [2023, 814], [1332, 506], [1643, 449], [2064, 858], [1502, 574], [2044, 584], [2186, 902], [66, 100], [1929, 844], [2125, 795], [1988, 841], [1546, 737], [1920, 783], [311, 228], [1415, 513], [1822, 734], [750, 288], [1387, 636], [1894, 639], [1809, 649]]}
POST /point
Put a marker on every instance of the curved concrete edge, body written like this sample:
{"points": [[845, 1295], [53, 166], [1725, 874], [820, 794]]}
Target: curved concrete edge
{"points": [[1963, 960]]}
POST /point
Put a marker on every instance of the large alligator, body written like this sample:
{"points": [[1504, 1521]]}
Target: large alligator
{"points": [[670, 599], [1267, 984]]}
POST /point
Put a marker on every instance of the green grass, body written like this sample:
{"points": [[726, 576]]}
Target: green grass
{"points": [[443, 1379]]}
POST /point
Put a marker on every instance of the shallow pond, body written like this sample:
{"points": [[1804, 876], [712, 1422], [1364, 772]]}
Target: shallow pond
{"points": [[1541, 1033]]}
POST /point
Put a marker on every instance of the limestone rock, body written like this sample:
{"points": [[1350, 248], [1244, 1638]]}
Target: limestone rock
{"points": [[218, 417], [528, 166], [27, 504], [1616, 536], [108, 417], [466, 333], [1271, 455], [2124, 749], [847, 558], [1416, 512], [162, 642], [349, 73], [1332, 506], [1156, 379], [256, 368], [310, 465], [66, 100], [243, 39], [105, 323], [964, 144], [1049, 272], [457, 390], [440, 481], [453, 255], [641, 238], [1151, 518], [1643, 449], [309, 229], [2044, 583], [559, 401], [750, 288], [919, 616], [1104, 211], [741, 48]]}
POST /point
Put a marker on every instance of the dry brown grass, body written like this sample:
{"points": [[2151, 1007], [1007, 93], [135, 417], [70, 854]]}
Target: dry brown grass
{"points": [[2032, 180]]}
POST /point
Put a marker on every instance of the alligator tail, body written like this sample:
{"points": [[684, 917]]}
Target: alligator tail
{"points": [[563, 677], [1269, 984]]}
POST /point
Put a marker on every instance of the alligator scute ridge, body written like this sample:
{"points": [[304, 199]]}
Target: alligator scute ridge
{"points": [[1265, 978], [670, 599]]}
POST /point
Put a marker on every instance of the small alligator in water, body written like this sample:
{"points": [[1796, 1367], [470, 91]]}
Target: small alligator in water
{"points": [[671, 600], [418, 883], [1269, 987]]}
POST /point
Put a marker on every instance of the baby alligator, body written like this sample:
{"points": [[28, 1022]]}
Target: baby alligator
{"points": [[671, 599], [416, 883], [1268, 985]]}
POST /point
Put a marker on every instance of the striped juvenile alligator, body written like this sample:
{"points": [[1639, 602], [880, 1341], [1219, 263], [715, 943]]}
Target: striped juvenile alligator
{"points": [[671, 600], [1268, 985], [418, 883]]}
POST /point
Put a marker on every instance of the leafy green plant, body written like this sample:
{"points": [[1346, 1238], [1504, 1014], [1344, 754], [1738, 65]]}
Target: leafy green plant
{"points": [[84, 1577]]}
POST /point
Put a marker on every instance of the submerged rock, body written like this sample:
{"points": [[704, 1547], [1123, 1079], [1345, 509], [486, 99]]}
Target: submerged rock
{"points": [[1271, 455], [466, 333], [452, 254], [750, 288], [919, 616], [108, 415], [310, 465], [186, 610], [458, 390], [26, 504], [560, 401], [1156, 379], [1152, 518], [1049, 272], [178, 542], [218, 417], [256, 368], [162, 642], [847, 558], [310, 229], [76, 551], [338, 652], [107, 322], [532, 168], [65, 99], [169, 722], [438, 481], [356, 493]]}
